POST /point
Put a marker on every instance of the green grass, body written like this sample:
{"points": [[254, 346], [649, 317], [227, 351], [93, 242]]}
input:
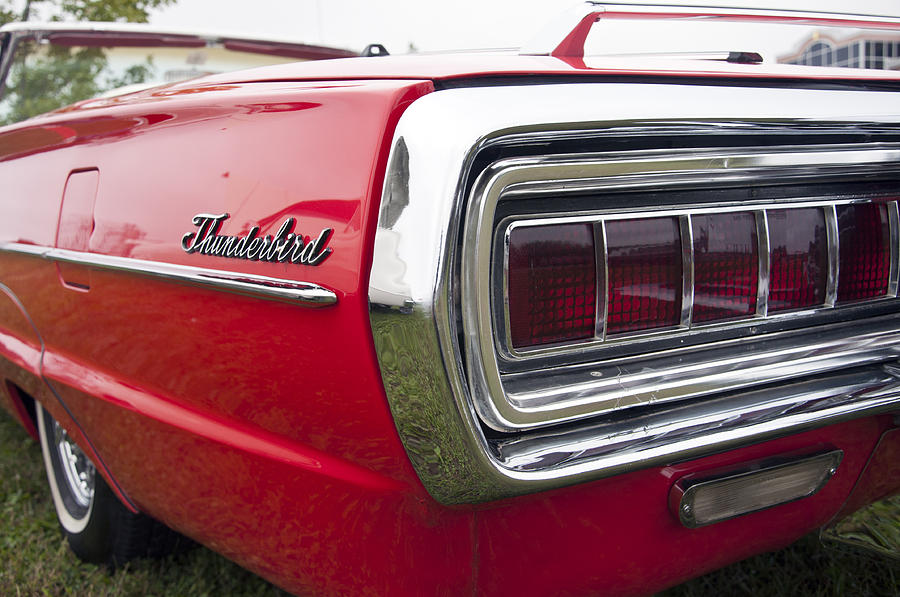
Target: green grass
{"points": [[876, 528], [808, 568], [35, 559]]}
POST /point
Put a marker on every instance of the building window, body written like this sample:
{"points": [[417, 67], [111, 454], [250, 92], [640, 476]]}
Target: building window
{"points": [[853, 53], [843, 56], [819, 54]]}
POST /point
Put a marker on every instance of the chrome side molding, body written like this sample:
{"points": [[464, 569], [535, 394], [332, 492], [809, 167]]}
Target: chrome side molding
{"points": [[306, 294]]}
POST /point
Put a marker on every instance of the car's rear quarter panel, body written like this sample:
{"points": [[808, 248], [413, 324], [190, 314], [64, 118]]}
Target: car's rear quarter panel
{"points": [[256, 426]]}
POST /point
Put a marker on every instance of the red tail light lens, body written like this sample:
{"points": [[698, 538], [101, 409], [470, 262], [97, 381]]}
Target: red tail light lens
{"points": [[726, 266], [865, 256], [552, 284], [644, 273], [799, 258], [814, 261]]}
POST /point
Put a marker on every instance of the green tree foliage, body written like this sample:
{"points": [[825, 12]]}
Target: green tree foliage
{"points": [[70, 75], [43, 78], [6, 13], [132, 11]]}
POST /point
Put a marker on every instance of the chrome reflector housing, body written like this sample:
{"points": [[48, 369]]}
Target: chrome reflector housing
{"points": [[699, 503]]}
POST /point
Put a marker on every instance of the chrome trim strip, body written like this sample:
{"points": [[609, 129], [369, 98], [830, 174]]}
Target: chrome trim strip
{"points": [[687, 269], [306, 294], [556, 30], [602, 260], [655, 169], [505, 286], [765, 263], [618, 385], [688, 431], [833, 240], [894, 219], [701, 126]]}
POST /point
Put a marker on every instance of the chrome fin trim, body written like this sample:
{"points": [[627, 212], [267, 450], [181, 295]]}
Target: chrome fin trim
{"points": [[306, 294]]}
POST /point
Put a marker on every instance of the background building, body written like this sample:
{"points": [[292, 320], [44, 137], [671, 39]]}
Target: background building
{"points": [[875, 50]]}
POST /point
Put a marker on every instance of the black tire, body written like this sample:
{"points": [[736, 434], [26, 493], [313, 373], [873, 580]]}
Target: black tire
{"points": [[99, 528]]}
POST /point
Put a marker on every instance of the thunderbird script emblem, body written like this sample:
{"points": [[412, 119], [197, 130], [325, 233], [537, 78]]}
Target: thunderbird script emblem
{"points": [[285, 246]]}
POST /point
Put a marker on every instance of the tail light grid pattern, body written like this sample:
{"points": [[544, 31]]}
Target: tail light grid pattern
{"points": [[553, 280]]}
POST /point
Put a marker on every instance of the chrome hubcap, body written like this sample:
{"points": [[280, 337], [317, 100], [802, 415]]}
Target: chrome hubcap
{"points": [[77, 469]]}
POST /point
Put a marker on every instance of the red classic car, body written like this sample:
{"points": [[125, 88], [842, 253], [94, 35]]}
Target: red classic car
{"points": [[533, 323]]}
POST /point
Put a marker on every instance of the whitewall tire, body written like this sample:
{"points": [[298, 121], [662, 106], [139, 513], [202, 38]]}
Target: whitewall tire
{"points": [[98, 527]]}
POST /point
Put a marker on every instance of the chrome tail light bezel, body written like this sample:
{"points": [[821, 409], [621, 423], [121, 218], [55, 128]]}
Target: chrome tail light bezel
{"points": [[488, 347], [422, 311]]}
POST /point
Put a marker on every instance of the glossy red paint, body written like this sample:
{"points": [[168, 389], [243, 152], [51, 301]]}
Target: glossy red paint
{"points": [[76, 224], [301, 519], [317, 127], [603, 543], [13, 402], [324, 174], [21, 368], [22, 386], [261, 429], [881, 477], [572, 46], [20, 359]]}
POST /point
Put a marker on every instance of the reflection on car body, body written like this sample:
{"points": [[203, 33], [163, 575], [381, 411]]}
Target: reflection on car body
{"points": [[454, 317]]}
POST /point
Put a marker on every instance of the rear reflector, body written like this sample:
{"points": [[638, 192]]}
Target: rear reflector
{"points": [[799, 254], [865, 255], [552, 284], [700, 503], [644, 261], [726, 266]]}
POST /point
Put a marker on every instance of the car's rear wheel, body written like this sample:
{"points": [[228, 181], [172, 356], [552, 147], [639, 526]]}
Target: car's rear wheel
{"points": [[99, 528]]}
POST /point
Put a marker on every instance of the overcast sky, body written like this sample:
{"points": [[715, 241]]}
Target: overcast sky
{"points": [[428, 24]]}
